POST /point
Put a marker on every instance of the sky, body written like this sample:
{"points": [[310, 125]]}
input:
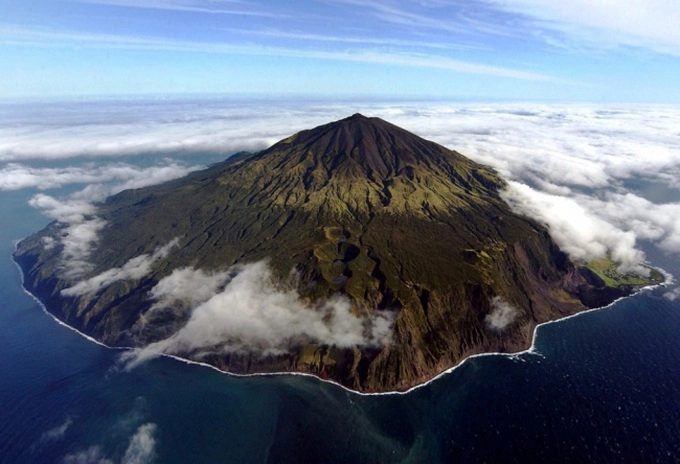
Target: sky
{"points": [[550, 50]]}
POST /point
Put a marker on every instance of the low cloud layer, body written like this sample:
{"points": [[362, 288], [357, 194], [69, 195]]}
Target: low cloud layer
{"points": [[60, 130], [566, 145], [502, 314], [133, 269], [244, 310]]}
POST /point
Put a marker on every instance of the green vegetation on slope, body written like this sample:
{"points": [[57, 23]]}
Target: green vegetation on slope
{"points": [[608, 270]]}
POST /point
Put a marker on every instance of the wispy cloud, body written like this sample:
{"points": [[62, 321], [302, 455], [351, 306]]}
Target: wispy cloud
{"points": [[18, 35], [220, 7], [455, 19], [650, 24], [673, 294], [91, 455], [399, 13], [57, 433], [425, 61], [188, 287], [141, 449], [142, 446], [365, 40], [578, 25]]}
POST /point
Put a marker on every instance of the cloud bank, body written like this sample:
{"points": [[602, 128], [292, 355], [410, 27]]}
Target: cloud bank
{"points": [[244, 310], [63, 130]]}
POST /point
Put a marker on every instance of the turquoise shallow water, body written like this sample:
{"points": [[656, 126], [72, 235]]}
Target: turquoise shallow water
{"points": [[604, 387]]}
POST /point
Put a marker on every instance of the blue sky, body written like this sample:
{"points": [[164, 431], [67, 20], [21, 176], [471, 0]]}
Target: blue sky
{"points": [[596, 50]]}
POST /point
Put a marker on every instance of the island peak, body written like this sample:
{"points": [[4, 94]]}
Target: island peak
{"points": [[355, 251]]}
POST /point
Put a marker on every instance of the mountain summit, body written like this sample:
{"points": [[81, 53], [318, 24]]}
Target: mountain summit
{"points": [[358, 167], [355, 251], [361, 146]]}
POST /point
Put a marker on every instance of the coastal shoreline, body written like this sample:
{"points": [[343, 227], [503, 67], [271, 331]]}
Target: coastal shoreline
{"points": [[531, 350]]}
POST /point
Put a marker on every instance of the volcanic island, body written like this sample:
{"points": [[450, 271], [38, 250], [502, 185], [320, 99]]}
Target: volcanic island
{"points": [[359, 224]]}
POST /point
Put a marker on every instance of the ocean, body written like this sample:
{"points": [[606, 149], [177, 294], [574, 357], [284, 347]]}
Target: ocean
{"points": [[603, 386]]}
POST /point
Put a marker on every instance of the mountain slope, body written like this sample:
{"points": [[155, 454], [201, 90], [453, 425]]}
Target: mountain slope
{"points": [[357, 207]]}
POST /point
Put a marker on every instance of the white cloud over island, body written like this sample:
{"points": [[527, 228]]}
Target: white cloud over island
{"points": [[78, 212], [244, 310], [134, 269], [80, 231], [502, 314], [580, 233]]}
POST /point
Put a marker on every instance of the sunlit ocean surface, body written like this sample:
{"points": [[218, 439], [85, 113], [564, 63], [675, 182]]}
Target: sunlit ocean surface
{"points": [[601, 387]]}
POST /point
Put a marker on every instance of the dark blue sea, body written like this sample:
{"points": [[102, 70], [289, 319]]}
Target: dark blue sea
{"points": [[602, 387]]}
